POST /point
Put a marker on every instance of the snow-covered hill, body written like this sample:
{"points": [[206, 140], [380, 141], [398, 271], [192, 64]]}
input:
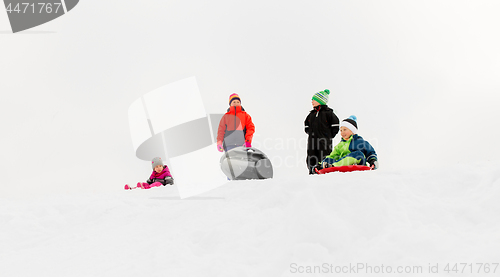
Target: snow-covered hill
{"points": [[395, 220]]}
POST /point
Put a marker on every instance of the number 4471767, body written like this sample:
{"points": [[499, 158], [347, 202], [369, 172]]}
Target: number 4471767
{"points": [[32, 8], [471, 268]]}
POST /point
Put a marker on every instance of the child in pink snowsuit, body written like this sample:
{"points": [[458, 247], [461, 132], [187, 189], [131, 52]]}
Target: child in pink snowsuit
{"points": [[160, 176]]}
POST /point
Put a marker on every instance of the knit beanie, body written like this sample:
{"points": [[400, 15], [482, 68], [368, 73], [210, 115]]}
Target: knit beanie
{"points": [[232, 97], [321, 97], [350, 123], [156, 162]]}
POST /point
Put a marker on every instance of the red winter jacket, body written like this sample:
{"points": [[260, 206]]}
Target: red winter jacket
{"points": [[235, 128]]}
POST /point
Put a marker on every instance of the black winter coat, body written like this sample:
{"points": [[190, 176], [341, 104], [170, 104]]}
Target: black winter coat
{"points": [[322, 123]]}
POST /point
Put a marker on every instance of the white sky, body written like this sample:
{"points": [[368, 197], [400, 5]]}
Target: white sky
{"points": [[421, 76]]}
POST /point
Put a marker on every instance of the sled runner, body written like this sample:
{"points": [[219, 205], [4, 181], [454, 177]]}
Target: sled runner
{"points": [[245, 163], [345, 168]]}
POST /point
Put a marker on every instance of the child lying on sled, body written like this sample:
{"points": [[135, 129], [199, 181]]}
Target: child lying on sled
{"points": [[352, 149]]}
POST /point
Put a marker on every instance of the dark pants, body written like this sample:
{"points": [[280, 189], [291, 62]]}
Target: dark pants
{"points": [[317, 150]]}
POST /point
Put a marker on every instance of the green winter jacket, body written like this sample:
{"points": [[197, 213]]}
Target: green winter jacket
{"points": [[341, 150], [354, 143]]}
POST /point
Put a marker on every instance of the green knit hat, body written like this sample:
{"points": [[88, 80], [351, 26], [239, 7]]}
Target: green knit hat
{"points": [[321, 97]]}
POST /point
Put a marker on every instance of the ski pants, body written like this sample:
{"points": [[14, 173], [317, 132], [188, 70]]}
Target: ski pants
{"points": [[317, 150], [356, 157]]}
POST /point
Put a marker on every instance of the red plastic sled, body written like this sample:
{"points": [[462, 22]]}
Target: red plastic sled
{"points": [[345, 168]]}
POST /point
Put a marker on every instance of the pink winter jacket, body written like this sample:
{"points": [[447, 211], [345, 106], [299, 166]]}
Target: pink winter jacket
{"points": [[161, 175]]}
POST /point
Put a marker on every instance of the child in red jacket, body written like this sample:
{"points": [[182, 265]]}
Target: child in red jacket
{"points": [[236, 127]]}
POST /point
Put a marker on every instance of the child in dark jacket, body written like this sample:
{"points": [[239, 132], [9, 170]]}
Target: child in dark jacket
{"points": [[321, 126], [160, 176], [352, 149]]}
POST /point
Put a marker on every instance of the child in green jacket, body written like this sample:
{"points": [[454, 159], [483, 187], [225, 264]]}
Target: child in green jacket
{"points": [[352, 149]]}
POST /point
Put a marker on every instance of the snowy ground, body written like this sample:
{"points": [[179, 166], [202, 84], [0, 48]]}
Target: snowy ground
{"points": [[280, 227]]}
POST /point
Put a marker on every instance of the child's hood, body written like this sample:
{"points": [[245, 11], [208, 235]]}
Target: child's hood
{"points": [[164, 173], [231, 109]]}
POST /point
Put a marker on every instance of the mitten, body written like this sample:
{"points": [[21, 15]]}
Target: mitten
{"points": [[169, 180], [247, 144], [220, 148], [373, 164], [149, 181]]}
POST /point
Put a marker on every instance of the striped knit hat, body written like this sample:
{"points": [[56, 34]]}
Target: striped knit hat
{"points": [[350, 123], [321, 97], [232, 97]]}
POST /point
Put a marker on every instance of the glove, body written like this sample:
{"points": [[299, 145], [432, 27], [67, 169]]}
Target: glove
{"points": [[247, 144], [149, 181], [373, 164], [169, 180], [327, 162], [220, 148]]}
